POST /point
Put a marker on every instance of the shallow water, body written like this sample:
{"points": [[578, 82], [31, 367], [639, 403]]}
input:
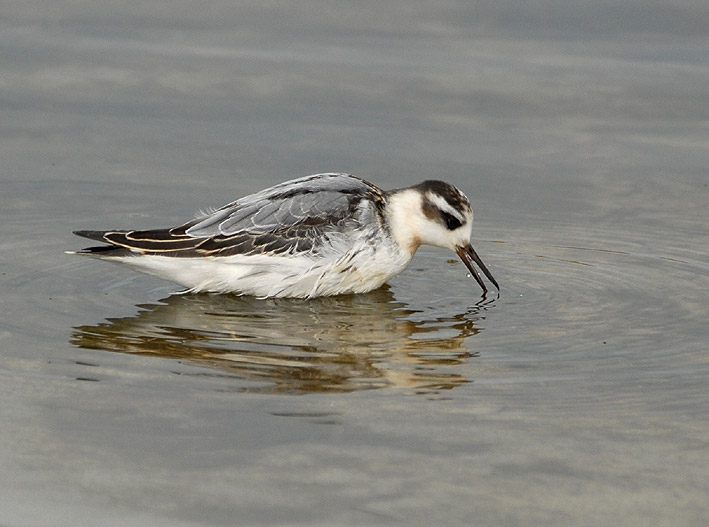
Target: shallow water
{"points": [[577, 396]]}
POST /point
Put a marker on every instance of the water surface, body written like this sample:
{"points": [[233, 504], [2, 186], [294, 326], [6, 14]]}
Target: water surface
{"points": [[576, 397]]}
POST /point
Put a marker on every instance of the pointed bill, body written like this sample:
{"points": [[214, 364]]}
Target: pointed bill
{"points": [[468, 255]]}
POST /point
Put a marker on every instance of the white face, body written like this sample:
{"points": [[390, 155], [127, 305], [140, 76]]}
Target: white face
{"points": [[436, 213], [432, 213], [445, 225], [448, 221]]}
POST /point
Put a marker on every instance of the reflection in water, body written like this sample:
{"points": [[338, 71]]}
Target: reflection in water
{"points": [[342, 343]]}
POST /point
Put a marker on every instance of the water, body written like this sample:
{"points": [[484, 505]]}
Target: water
{"points": [[576, 397]]}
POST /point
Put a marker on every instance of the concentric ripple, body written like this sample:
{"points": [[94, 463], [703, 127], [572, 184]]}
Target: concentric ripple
{"points": [[583, 300]]}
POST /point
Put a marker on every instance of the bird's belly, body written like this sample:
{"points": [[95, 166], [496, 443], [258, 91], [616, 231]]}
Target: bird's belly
{"points": [[357, 271]]}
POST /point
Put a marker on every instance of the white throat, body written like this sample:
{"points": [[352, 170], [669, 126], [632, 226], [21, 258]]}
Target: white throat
{"points": [[404, 215]]}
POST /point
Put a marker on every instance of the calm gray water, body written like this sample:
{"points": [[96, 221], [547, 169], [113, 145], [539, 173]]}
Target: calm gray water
{"points": [[577, 397]]}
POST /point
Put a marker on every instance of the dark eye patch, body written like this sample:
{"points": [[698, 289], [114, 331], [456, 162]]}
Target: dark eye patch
{"points": [[452, 223]]}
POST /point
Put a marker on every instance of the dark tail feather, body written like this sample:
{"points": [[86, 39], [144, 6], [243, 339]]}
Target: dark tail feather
{"points": [[165, 242], [101, 250], [93, 235], [105, 250]]}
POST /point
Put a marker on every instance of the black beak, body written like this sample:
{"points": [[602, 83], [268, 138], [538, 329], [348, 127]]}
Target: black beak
{"points": [[468, 255]]}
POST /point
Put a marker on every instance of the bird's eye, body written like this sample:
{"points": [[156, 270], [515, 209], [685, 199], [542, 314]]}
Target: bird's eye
{"points": [[452, 223]]}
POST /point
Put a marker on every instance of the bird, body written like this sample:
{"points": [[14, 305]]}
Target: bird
{"points": [[319, 235]]}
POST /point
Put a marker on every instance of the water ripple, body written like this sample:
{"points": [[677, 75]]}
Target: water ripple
{"points": [[607, 298]]}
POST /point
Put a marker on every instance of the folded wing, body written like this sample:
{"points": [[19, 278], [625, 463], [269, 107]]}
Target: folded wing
{"points": [[293, 217]]}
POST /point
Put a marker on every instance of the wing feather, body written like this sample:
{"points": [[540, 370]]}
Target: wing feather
{"points": [[295, 216], [324, 197]]}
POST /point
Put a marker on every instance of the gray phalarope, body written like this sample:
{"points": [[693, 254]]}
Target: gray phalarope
{"points": [[319, 235]]}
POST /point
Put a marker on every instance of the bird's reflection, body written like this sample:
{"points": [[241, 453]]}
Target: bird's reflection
{"points": [[338, 344]]}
